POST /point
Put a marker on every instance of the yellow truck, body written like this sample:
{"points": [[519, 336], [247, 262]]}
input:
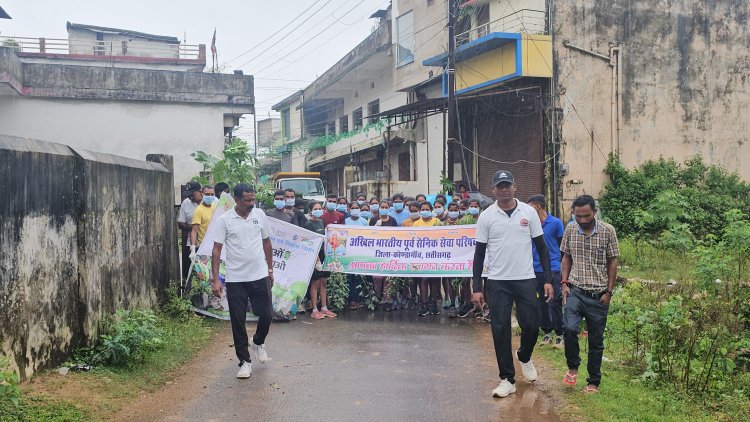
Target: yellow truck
{"points": [[306, 184]]}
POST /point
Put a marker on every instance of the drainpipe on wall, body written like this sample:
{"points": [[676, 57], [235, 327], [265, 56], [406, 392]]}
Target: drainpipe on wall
{"points": [[614, 61]]}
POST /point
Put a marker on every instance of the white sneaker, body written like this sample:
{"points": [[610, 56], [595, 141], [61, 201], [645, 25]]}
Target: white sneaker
{"points": [[260, 352], [245, 370], [528, 369], [504, 389]]}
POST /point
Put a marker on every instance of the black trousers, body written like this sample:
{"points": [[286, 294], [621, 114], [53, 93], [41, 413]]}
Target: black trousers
{"points": [[551, 312], [185, 261], [259, 293], [500, 297]]}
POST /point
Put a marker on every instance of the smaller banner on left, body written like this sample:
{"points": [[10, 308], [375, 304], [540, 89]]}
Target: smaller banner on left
{"points": [[295, 252]]}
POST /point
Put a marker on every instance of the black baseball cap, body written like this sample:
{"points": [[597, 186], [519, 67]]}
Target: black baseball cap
{"points": [[502, 176], [192, 186]]}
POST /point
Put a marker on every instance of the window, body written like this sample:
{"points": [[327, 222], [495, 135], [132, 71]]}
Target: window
{"points": [[405, 39], [357, 119], [404, 167], [286, 125], [343, 124], [372, 109], [331, 128]]}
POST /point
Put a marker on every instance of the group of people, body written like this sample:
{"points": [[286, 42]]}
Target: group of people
{"points": [[556, 276]]}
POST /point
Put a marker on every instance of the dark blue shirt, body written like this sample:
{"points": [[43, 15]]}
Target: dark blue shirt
{"points": [[553, 232]]}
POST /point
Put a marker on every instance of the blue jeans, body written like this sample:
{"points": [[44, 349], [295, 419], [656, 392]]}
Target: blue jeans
{"points": [[579, 306], [551, 312]]}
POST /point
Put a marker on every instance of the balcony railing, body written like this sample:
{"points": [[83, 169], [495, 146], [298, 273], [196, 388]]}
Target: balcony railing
{"points": [[528, 21], [105, 48]]}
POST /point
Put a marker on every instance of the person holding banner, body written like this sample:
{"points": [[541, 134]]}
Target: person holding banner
{"points": [[413, 215], [319, 279], [355, 218], [249, 263], [384, 217], [504, 234], [399, 214], [473, 208], [428, 287]]}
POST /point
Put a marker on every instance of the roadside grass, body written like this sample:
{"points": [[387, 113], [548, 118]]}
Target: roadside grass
{"points": [[624, 394], [621, 397], [98, 394]]}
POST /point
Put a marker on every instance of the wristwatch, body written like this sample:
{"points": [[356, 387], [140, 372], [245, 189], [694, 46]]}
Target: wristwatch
{"points": [[270, 271], [611, 291]]}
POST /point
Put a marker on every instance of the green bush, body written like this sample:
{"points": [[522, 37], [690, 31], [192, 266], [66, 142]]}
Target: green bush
{"points": [[369, 295], [9, 390], [124, 339], [396, 285], [338, 291], [661, 195], [176, 307], [683, 336]]}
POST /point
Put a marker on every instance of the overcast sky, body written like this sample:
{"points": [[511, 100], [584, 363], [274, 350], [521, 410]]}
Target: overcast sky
{"points": [[335, 26]]}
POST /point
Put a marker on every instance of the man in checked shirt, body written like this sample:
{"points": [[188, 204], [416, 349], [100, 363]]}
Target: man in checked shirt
{"points": [[589, 270]]}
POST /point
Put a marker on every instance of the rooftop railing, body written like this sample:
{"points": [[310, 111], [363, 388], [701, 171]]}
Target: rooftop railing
{"points": [[528, 21], [105, 48]]}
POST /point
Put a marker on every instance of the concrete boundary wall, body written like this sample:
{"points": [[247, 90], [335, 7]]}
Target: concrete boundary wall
{"points": [[82, 234]]}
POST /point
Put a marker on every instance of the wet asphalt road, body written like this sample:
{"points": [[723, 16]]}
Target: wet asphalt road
{"points": [[360, 366]]}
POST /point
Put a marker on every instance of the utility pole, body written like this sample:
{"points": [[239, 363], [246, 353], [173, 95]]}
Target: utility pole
{"points": [[450, 70], [255, 145]]}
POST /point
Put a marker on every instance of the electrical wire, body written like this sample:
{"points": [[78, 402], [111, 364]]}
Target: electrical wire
{"points": [[282, 28], [308, 40]]}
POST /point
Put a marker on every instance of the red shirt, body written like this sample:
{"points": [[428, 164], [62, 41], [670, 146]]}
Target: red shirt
{"points": [[334, 217]]}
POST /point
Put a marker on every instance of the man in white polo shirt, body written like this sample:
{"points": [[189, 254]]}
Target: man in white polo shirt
{"points": [[505, 232], [249, 272]]}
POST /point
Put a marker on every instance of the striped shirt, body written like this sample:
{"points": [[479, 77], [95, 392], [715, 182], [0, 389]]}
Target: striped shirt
{"points": [[589, 254]]}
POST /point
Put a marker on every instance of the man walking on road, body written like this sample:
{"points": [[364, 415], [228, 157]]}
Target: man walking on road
{"points": [[589, 271], [249, 266], [551, 312], [505, 232]]}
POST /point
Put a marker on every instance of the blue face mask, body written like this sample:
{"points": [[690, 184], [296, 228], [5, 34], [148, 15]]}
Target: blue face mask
{"points": [[426, 213], [279, 203], [414, 215], [330, 206], [398, 206], [461, 212], [290, 202], [208, 199], [474, 211], [366, 215], [453, 215], [341, 207], [355, 213], [317, 213], [361, 202], [439, 211]]}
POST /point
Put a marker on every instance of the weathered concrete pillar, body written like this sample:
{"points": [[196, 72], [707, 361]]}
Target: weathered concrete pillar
{"points": [[168, 162]]}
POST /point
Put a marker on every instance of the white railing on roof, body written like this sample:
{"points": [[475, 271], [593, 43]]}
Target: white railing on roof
{"points": [[528, 21], [104, 48]]}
